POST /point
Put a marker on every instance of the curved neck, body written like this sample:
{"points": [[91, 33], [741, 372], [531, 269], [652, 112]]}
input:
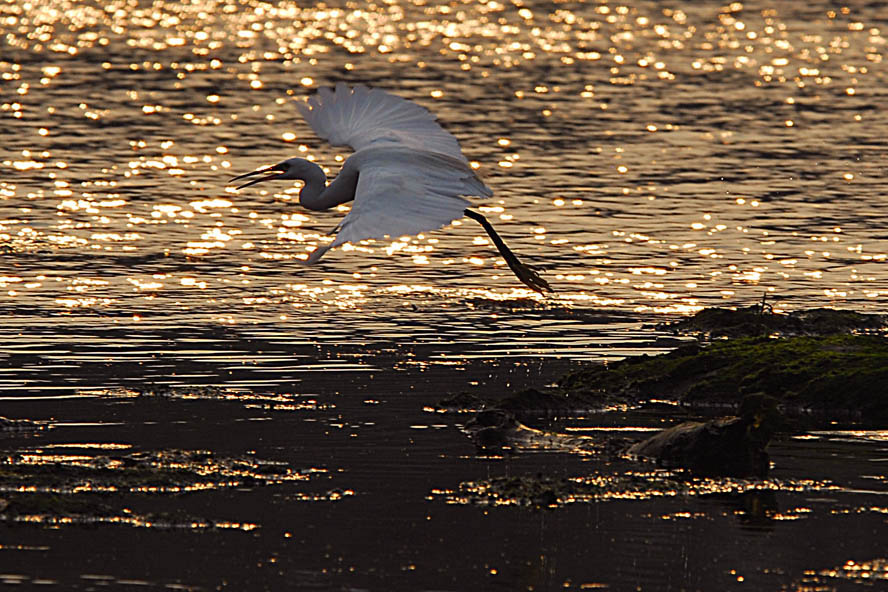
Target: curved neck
{"points": [[317, 195], [315, 182]]}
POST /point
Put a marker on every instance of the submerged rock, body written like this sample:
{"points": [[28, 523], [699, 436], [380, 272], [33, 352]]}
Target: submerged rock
{"points": [[536, 491], [461, 403], [497, 430], [94, 486], [730, 447], [751, 500]]}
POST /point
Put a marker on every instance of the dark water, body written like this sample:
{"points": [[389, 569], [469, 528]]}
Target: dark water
{"points": [[344, 481], [220, 416]]}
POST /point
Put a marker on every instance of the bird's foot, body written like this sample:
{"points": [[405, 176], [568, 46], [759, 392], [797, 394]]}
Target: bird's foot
{"points": [[528, 276]]}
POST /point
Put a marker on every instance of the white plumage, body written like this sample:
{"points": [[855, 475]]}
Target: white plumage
{"points": [[363, 117], [402, 192], [412, 175]]}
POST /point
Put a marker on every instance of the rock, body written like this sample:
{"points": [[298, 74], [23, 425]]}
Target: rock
{"points": [[730, 447], [526, 405], [462, 403], [492, 430], [537, 403], [753, 321], [836, 375], [498, 430]]}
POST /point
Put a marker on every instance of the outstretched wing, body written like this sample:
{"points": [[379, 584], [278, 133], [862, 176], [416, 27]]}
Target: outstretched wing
{"points": [[360, 117], [405, 194]]}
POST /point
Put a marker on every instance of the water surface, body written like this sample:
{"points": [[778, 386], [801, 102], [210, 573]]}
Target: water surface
{"points": [[655, 157]]}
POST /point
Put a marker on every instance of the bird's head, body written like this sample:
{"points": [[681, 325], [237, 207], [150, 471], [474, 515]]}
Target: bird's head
{"points": [[292, 168]]}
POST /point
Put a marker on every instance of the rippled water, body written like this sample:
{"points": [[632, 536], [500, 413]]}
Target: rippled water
{"points": [[654, 157]]}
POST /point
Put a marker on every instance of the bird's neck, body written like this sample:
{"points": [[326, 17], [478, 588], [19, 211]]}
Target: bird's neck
{"points": [[317, 195], [315, 182]]}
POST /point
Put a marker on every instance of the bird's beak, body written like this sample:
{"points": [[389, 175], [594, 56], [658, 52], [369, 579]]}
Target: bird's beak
{"points": [[278, 168]]}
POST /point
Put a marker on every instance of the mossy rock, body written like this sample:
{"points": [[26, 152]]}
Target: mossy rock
{"points": [[839, 373]]}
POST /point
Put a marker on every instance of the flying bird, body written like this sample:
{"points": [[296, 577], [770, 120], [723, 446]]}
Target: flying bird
{"points": [[406, 176]]}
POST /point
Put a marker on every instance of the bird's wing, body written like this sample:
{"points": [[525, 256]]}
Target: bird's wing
{"points": [[406, 195], [360, 117]]}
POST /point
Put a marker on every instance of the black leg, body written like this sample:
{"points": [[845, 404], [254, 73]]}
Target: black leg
{"points": [[528, 276]]}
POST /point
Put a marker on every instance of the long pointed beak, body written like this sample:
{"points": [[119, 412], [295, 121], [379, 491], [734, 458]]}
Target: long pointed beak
{"points": [[279, 169]]}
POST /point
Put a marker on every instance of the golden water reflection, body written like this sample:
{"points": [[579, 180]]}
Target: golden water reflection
{"points": [[655, 159]]}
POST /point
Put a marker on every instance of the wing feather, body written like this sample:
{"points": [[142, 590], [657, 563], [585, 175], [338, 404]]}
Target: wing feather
{"points": [[359, 117], [405, 194], [412, 175]]}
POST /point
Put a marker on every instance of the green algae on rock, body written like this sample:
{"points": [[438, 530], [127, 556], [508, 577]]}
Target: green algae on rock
{"points": [[818, 359], [838, 373]]}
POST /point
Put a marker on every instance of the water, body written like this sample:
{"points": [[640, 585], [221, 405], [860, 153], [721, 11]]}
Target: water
{"points": [[655, 158]]}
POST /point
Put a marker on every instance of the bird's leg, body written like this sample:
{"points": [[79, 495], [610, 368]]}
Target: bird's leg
{"points": [[528, 275]]}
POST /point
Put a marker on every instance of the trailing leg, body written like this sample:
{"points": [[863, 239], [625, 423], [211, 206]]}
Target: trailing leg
{"points": [[528, 275]]}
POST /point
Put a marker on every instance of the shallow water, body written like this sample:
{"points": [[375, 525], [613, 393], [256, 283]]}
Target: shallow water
{"points": [[655, 158]]}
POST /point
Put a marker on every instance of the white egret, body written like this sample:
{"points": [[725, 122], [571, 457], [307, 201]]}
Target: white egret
{"points": [[406, 176]]}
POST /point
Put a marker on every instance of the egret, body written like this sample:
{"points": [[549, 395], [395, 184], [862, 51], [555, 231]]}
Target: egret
{"points": [[406, 176]]}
